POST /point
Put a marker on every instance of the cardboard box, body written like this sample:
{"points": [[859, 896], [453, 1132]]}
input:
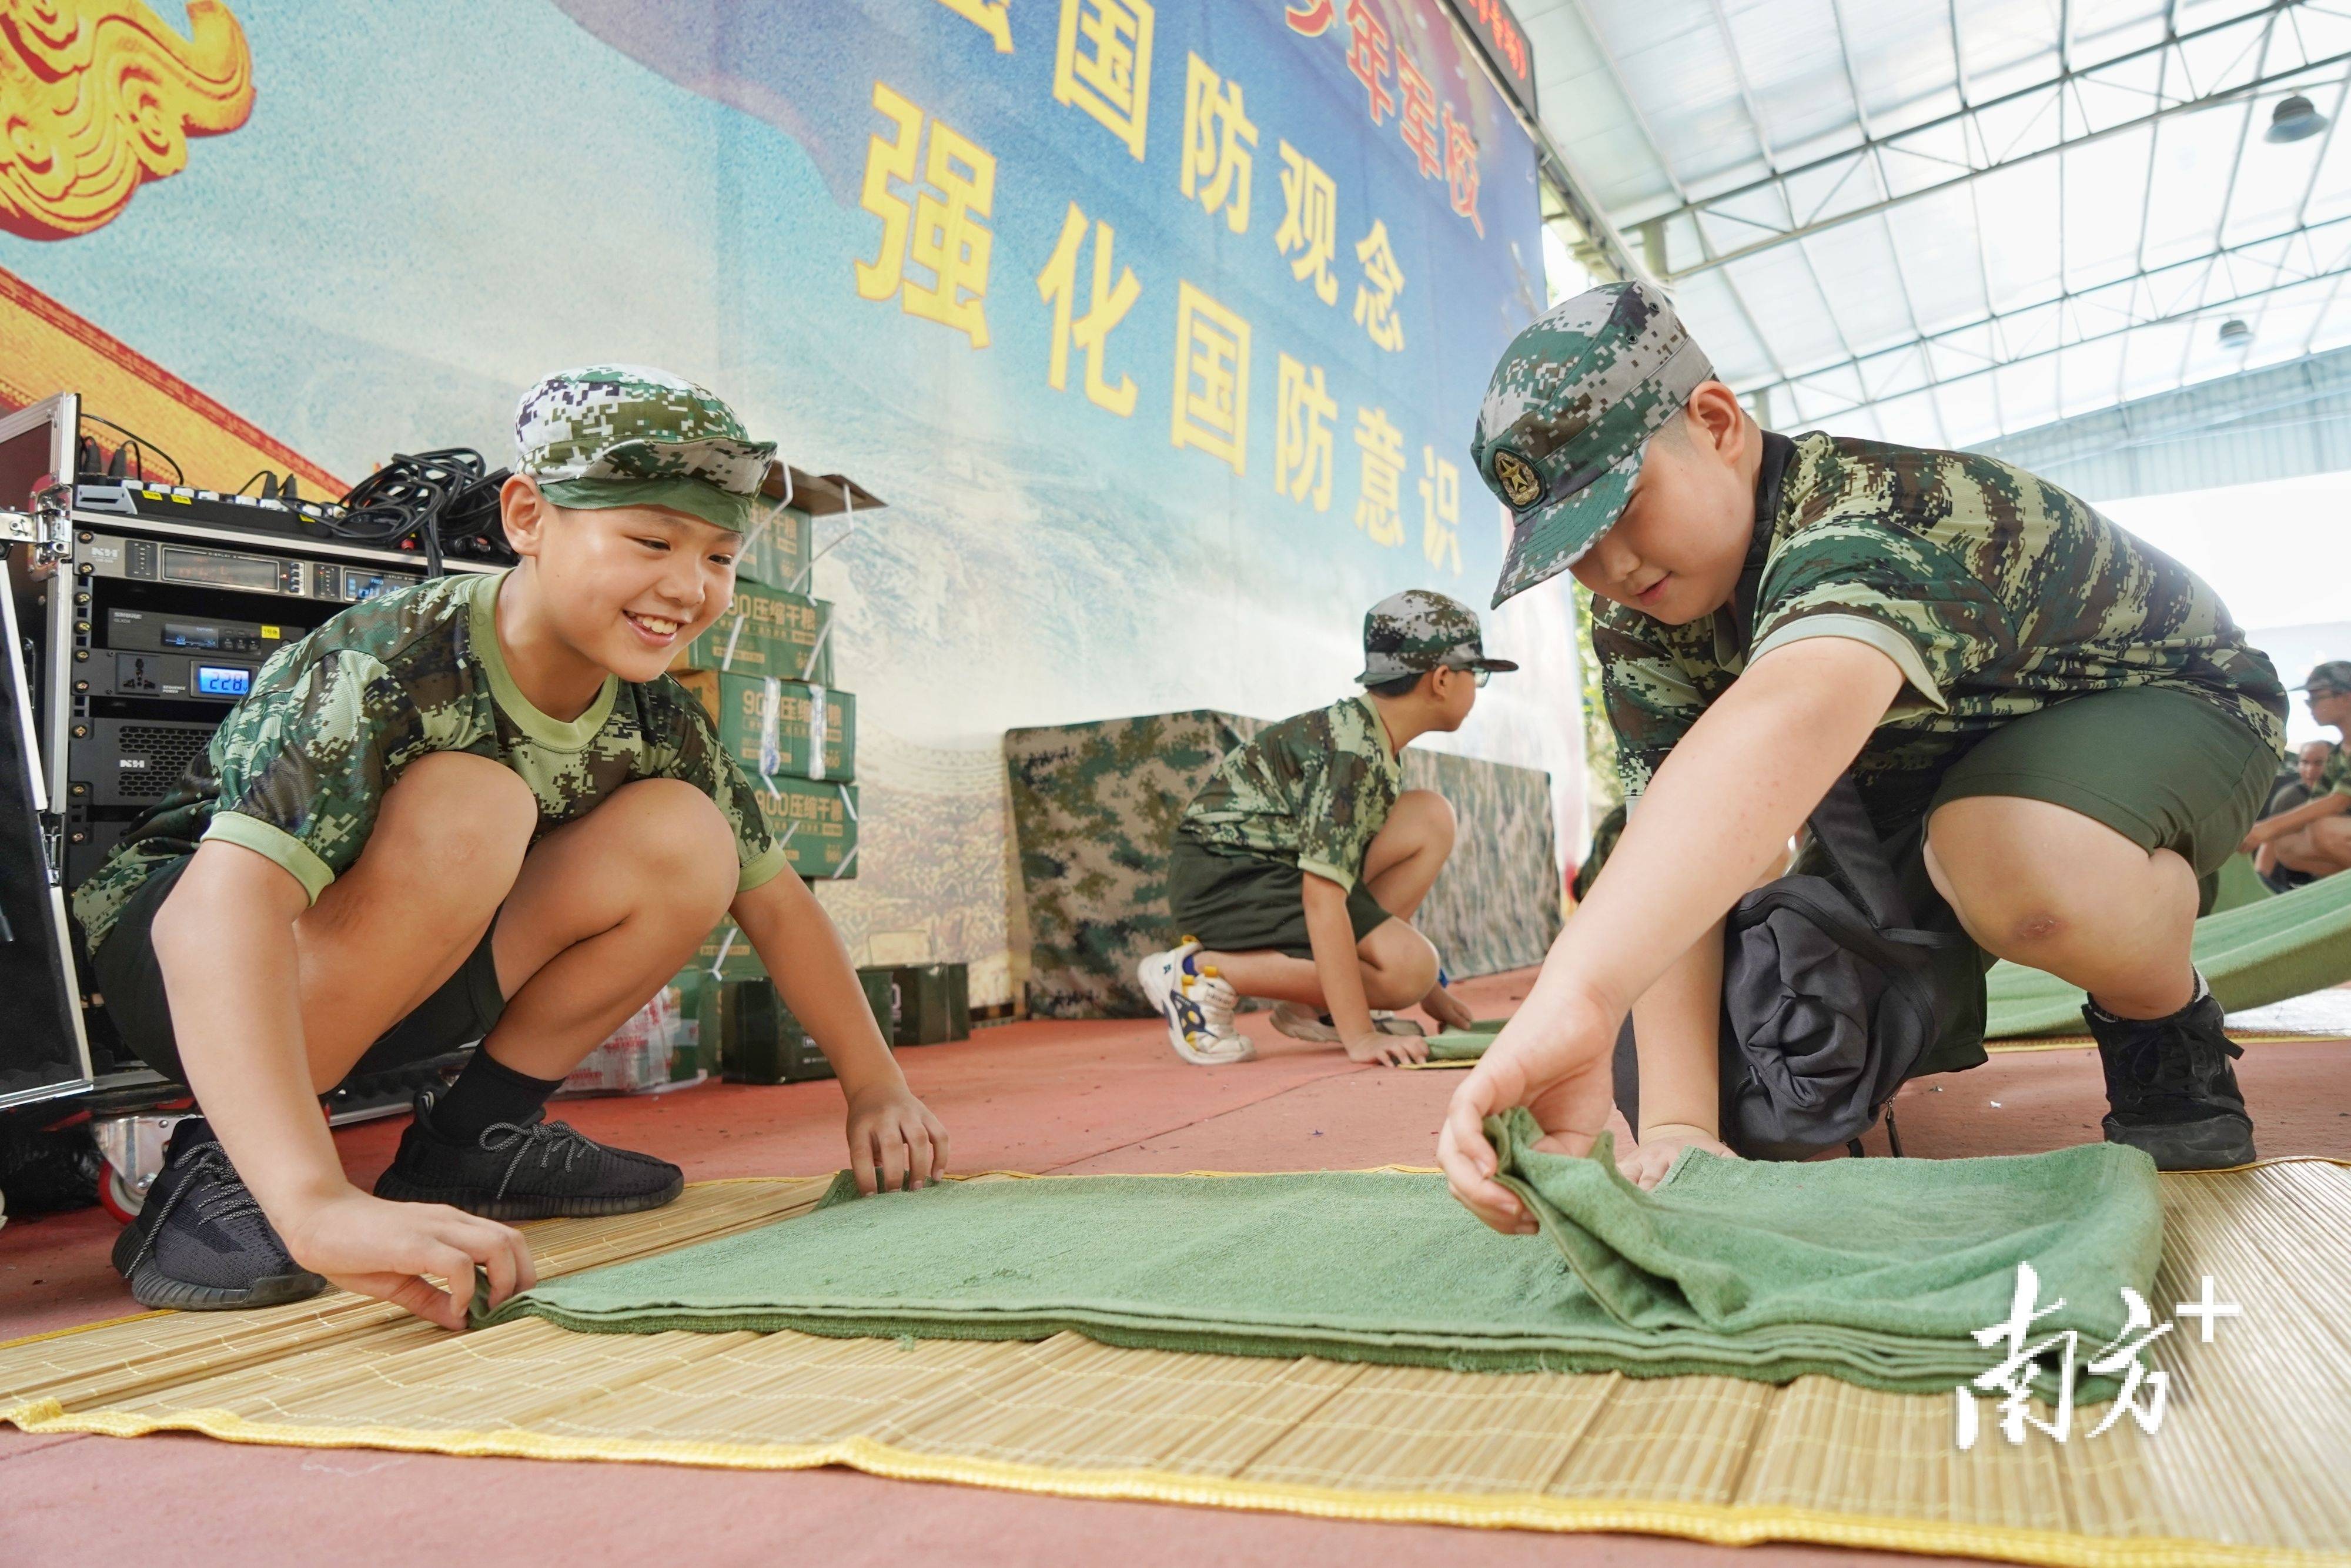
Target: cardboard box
{"points": [[777, 729], [766, 632], [817, 823], [776, 548], [739, 963]]}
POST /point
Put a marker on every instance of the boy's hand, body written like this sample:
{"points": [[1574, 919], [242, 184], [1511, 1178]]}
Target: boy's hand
{"points": [[895, 1137], [1563, 1076], [1388, 1050], [384, 1249], [1440, 1006], [1646, 1164]]}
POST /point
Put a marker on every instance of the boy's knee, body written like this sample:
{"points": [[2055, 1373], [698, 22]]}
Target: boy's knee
{"points": [[1405, 966], [1427, 812], [450, 818], [682, 839]]}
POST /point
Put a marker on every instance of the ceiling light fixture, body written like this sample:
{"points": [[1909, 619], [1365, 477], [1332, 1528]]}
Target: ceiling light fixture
{"points": [[2294, 119], [2235, 333]]}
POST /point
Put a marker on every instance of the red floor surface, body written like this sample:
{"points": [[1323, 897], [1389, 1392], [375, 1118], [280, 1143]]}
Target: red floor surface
{"points": [[1035, 1097]]}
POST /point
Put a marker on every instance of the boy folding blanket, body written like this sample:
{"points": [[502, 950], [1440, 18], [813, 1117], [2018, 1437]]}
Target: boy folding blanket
{"points": [[1876, 1272]]}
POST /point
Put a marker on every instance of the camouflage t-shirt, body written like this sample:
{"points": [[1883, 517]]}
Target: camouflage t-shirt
{"points": [[298, 769], [2335, 778], [1997, 595], [1316, 789]]}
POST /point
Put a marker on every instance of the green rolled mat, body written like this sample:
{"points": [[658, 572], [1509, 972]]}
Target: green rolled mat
{"points": [[1876, 1271], [2256, 954], [1462, 1045]]}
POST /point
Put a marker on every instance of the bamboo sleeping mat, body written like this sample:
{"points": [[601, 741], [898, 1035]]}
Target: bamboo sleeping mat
{"points": [[2249, 1465]]}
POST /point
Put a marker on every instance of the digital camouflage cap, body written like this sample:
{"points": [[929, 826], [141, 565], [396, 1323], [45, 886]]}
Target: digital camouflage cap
{"points": [[627, 436], [1570, 408], [2330, 678], [1409, 633]]}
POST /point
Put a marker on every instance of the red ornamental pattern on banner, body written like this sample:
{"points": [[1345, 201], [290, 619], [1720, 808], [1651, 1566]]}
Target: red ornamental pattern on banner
{"points": [[1373, 57]]}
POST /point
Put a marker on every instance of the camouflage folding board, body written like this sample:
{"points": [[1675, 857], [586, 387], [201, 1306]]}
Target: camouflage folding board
{"points": [[1093, 807]]}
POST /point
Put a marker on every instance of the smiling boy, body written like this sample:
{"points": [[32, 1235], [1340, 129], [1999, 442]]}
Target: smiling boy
{"points": [[476, 808], [2059, 729]]}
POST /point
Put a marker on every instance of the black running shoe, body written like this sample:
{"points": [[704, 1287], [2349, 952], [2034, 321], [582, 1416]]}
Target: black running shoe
{"points": [[2171, 1090], [530, 1170], [202, 1242]]}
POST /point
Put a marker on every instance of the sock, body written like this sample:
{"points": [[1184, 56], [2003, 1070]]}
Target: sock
{"points": [[488, 1092]]}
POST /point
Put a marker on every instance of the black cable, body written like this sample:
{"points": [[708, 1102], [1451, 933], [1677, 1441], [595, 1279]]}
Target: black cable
{"points": [[145, 447], [437, 499]]}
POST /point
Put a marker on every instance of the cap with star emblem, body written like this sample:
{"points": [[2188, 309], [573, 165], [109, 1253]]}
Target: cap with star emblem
{"points": [[1573, 404]]}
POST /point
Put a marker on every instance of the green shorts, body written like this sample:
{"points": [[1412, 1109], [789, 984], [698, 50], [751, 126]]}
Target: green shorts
{"points": [[2165, 770], [1237, 902]]}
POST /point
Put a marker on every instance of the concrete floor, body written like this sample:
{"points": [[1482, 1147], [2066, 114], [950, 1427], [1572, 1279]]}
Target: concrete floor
{"points": [[1069, 1097]]}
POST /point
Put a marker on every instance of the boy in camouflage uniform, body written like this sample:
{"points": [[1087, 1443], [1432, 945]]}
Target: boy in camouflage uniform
{"points": [[2057, 728], [476, 808], [1300, 863], [2314, 840]]}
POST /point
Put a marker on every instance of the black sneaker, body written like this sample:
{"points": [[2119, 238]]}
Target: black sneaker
{"points": [[2171, 1090], [530, 1170], [202, 1242]]}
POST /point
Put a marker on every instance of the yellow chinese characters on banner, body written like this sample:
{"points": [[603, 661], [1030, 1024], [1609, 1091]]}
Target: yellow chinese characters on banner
{"points": [[1106, 307], [1212, 366], [1440, 510], [993, 17], [1377, 504], [1375, 296], [1217, 137], [1101, 64], [1301, 435], [939, 232], [1310, 222]]}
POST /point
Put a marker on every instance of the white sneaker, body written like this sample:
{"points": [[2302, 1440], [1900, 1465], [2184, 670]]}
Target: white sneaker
{"points": [[1299, 1022], [1302, 1022], [1198, 1007]]}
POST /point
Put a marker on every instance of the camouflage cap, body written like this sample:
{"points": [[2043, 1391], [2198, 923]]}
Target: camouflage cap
{"points": [[1408, 633], [626, 435], [1567, 415], [2330, 678]]}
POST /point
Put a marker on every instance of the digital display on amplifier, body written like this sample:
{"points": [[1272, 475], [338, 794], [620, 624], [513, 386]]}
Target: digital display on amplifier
{"points": [[223, 680], [195, 634], [358, 586], [217, 569]]}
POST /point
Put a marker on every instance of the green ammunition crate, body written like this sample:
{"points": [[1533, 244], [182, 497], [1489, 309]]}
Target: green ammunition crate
{"points": [[767, 632], [761, 1041], [770, 726], [932, 1004], [882, 996]]}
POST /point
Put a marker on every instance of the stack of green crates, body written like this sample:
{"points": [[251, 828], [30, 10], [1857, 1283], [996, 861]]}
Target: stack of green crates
{"points": [[759, 1041], [764, 672]]}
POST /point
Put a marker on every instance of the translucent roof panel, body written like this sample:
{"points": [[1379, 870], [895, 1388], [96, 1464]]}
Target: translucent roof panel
{"points": [[1950, 220]]}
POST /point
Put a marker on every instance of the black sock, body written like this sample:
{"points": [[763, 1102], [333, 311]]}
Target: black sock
{"points": [[489, 1091]]}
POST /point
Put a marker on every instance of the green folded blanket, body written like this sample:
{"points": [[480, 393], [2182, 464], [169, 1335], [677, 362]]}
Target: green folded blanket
{"points": [[1876, 1270], [1462, 1044]]}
